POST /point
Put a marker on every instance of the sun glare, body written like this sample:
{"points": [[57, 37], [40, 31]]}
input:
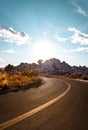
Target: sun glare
{"points": [[43, 49]]}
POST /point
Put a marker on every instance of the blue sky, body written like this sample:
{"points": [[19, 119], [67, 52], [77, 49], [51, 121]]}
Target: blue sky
{"points": [[43, 29]]}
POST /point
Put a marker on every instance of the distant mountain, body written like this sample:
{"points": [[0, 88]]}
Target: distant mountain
{"points": [[22, 66], [80, 69], [55, 66], [51, 66]]}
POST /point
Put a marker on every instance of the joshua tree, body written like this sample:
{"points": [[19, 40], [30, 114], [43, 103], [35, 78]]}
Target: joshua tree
{"points": [[40, 62], [40, 65]]}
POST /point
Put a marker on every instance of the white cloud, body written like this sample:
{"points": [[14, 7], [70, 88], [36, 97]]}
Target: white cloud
{"points": [[11, 36], [80, 49], [44, 33], [59, 38], [2, 62], [10, 51], [81, 6], [78, 37], [82, 11]]}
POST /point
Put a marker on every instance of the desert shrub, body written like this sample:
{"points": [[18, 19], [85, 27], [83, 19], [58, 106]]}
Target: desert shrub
{"points": [[76, 75], [29, 72], [19, 79], [84, 77]]}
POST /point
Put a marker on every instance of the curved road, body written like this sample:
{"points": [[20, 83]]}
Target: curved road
{"points": [[69, 113]]}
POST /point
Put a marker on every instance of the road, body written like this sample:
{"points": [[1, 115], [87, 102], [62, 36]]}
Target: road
{"points": [[68, 113]]}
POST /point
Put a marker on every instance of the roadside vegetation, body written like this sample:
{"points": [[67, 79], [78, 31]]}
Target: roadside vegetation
{"points": [[74, 75], [77, 75], [28, 77]]}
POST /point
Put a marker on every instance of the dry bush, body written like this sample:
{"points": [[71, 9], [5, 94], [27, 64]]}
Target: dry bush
{"points": [[84, 77], [21, 79]]}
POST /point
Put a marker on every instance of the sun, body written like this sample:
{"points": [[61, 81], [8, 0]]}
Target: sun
{"points": [[43, 50]]}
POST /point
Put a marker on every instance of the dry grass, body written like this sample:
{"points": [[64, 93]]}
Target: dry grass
{"points": [[18, 80]]}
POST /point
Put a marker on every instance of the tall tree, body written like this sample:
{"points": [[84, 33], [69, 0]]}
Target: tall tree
{"points": [[40, 62], [40, 65]]}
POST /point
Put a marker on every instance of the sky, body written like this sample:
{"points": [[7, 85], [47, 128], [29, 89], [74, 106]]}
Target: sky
{"points": [[42, 29]]}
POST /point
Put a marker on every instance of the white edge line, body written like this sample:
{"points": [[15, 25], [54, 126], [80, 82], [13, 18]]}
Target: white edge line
{"points": [[82, 80], [32, 112]]}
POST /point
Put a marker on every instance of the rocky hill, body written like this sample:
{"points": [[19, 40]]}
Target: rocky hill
{"points": [[55, 66], [51, 66]]}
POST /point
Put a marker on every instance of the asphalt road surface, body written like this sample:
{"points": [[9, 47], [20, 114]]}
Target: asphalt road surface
{"points": [[68, 113]]}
